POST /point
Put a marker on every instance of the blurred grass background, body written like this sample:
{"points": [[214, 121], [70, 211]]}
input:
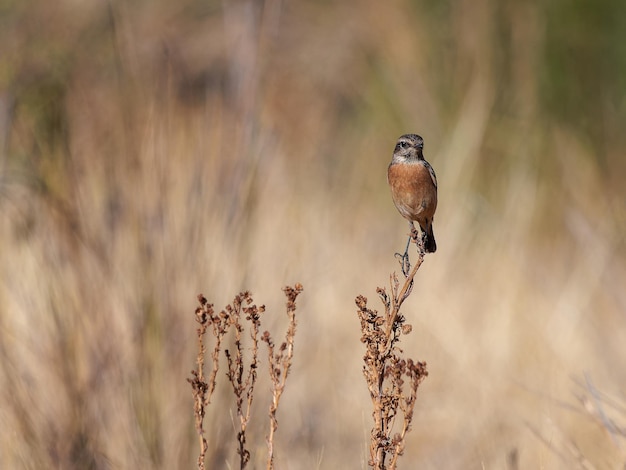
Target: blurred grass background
{"points": [[150, 151]]}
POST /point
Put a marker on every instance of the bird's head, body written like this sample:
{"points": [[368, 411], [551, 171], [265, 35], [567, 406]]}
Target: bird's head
{"points": [[409, 147]]}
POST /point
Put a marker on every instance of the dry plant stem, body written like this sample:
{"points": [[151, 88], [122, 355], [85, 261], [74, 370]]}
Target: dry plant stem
{"points": [[241, 378], [243, 388], [203, 390], [386, 371], [280, 364]]}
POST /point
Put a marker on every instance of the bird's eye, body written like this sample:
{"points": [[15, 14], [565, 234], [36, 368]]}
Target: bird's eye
{"points": [[403, 144]]}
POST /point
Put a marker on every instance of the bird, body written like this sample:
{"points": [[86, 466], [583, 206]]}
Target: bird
{"points": [[413, 186]]}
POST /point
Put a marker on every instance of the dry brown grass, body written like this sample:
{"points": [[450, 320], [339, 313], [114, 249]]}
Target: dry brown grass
{"points": [[153, 150]]}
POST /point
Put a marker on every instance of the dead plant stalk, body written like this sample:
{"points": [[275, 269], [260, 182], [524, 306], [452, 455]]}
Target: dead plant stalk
{"points": [[386, 371]]}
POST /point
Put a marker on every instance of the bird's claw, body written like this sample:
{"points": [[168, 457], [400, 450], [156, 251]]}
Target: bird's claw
{"points": [[405, 264]]}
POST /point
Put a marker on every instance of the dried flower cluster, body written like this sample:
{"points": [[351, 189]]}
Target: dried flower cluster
{"points": [[243, 388], [387, 372], [242, 373]]}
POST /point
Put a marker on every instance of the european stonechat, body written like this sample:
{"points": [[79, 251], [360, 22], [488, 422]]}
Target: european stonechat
{"points": [[414, 187]]}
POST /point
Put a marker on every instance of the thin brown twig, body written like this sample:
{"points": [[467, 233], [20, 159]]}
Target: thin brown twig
{"points": [[385, 370], [243, 387], [280, 365], [242, 377], [203, 390]]}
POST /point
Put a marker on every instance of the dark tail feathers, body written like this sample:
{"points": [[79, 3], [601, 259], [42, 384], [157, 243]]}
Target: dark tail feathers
{"points": [[429, 240]]}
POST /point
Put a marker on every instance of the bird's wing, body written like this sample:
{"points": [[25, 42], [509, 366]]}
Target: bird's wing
{"points": [[432, 173]]}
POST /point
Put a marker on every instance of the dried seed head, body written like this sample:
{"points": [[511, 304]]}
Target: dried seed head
{"points": [[361, 302]]}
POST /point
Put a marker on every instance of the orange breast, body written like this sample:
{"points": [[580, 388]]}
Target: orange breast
{"points": [[413, 191]]}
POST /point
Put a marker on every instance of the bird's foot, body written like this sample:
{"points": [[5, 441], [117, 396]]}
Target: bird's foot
{"points": [[421, 244], [405, 264]]}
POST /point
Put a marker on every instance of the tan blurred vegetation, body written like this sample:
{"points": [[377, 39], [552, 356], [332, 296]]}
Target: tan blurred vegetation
{"points": [[150, 151]]}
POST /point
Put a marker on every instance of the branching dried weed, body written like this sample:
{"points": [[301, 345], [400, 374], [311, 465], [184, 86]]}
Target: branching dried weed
{"points": [[243, 388], [242, 373], [280, 364], [386, 371], [203, 389]]}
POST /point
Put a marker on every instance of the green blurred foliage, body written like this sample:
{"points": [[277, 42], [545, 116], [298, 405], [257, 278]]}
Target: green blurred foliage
{"points": [[583, 69], [580, 62]]}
